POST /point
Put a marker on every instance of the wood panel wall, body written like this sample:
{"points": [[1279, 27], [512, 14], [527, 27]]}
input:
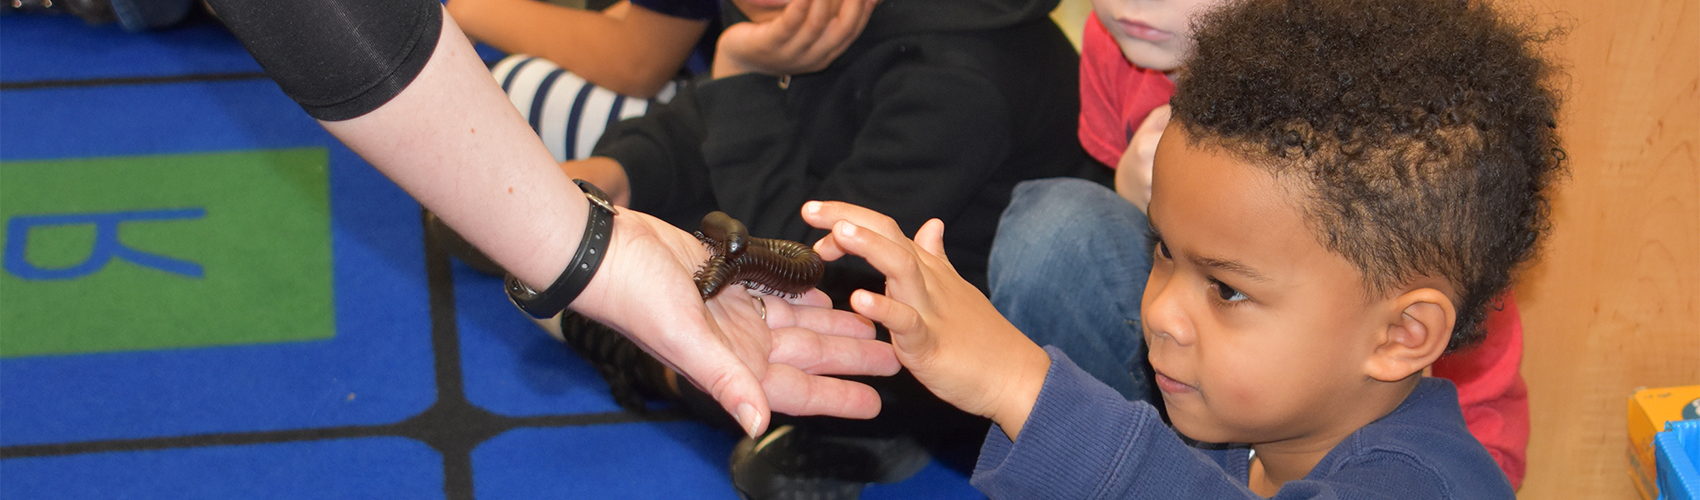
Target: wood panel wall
{"points": [[1614, 304]]}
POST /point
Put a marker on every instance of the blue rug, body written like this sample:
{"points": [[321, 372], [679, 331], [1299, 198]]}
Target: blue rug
{"points": [[207, 296]]}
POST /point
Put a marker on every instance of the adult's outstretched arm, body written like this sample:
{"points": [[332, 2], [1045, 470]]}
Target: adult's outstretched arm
{"points": [[398, 83]]}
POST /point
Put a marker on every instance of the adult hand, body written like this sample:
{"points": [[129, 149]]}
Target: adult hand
{"points": [[1133, 172], [804, 38], [752, 357], [944, 330]]}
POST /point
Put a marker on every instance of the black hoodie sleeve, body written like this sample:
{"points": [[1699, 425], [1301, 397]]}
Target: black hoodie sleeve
{"points": [[661, 155], [933, 134]]}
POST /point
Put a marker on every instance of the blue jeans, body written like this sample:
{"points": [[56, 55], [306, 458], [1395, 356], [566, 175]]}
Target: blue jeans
{"points": [[1068, 267]]}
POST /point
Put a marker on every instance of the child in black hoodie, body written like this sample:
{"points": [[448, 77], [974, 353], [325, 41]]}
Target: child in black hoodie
{"points": [[936, 110]]}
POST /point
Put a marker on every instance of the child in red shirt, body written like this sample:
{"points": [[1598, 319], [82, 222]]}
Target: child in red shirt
{"points": [[1067, 251]]}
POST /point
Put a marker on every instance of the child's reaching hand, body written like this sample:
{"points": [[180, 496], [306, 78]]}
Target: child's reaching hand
{"points": [[944, 330]]}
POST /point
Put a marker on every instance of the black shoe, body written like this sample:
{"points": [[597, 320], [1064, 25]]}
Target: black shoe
{"points": [[634, 377], [790, 464], [445, 237]]}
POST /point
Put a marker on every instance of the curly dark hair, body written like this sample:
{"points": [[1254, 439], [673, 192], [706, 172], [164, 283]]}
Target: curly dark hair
{"points": [[1423, 131]]}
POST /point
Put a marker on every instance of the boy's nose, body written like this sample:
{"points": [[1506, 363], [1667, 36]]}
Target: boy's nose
{"points": [[1164, 313]]}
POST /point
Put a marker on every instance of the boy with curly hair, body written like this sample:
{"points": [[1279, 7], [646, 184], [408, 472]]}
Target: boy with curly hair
{"points": [[1070, 262], [1343, 189]]}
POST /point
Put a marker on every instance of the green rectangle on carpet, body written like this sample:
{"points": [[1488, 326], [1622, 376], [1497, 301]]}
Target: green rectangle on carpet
{"points": [[152, 252]]}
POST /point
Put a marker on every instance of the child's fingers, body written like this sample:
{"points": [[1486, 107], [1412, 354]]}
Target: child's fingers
{"points": [[845, 27], [872, 236], [931, 238], [822, 215], [828, 248], [792, 18], [895, 259], [821, 13], [776, 34], [1157, 120], [832, 355], [898, 317]]}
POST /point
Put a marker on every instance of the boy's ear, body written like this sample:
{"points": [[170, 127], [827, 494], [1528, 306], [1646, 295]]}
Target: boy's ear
{"points": [[1418, 328]]}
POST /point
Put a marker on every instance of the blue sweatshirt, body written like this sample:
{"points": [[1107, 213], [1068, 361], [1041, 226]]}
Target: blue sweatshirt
{"points": [[1084, 440]]}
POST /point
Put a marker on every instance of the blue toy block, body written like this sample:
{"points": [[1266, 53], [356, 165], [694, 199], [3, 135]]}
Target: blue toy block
{"points": [[1678, 449]]}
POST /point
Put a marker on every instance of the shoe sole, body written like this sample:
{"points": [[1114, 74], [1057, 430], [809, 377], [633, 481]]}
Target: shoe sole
{"points": [[756, 476]]}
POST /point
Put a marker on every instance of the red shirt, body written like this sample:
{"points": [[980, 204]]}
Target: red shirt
{"points": [[1491, 390], [1115, 97]]}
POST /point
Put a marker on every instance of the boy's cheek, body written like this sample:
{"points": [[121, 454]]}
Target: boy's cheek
{"points": [[1160, 57], [1102, 9]]}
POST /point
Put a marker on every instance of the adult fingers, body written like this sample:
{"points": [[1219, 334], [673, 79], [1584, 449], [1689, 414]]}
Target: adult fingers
{"points": [[712, 367], [818, 354], [812, 311], [823, 320], [798, 393], [740, 330], [813, 298]]}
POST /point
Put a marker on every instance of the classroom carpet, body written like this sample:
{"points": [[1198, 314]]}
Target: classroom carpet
{"points": [[206, 296]]}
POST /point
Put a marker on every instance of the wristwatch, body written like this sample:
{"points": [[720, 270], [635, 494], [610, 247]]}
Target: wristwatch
{"points": [[592, 247]]}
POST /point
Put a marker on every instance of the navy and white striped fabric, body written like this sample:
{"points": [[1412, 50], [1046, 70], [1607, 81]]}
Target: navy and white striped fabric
{"points": [[568, 112]]}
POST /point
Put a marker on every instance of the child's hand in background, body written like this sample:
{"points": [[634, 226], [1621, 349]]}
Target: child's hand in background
{"points": [[1133, 172], [944, 330], [806, 37]]}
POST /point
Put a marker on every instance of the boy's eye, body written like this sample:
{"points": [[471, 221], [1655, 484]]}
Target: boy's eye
{"points": [[1226, 293], [1156, 242]]}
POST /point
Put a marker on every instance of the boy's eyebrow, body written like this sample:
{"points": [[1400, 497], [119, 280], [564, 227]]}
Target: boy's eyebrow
{"points": [[1232, 266], [1228, 265]]}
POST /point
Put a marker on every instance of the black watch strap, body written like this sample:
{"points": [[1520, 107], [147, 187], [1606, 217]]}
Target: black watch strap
{"points": [[592, 247]]}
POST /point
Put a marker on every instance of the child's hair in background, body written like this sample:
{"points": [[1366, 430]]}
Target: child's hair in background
{"points": [[1422, 134]]}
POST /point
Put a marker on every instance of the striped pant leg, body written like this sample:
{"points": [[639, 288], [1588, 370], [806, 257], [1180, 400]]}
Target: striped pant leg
{"points": [[567, 112]]}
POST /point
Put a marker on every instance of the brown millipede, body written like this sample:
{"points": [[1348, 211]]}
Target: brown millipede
{"points": [[719, 229], [776, 267]]}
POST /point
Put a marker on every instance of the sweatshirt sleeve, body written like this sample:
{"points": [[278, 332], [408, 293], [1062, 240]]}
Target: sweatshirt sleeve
{"points": [[1491, 391], [1084, 441], [660, 153], [931, 136]]}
